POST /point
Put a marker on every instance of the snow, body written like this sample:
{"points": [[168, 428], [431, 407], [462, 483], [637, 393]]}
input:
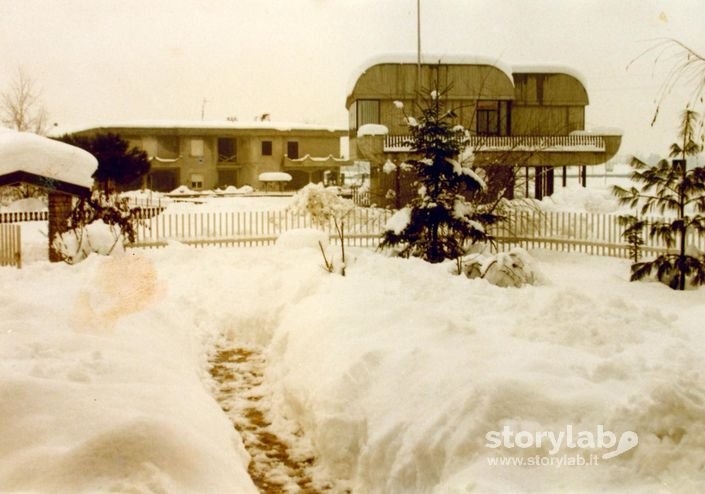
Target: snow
{"points": [[399, 221], [426, 58], [400, 400], [182, 190], [274, 177], [600, 131], [25, 205], [575, 198], [372, 130], [97, 237], [23, 151], [302, 238], [205, 124], [392, 375], [389, 167], [550, 69], [463, 169], [103, 375], [321, 203]]}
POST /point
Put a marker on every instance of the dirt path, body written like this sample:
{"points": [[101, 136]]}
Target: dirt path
{"points": [[274, 469]]}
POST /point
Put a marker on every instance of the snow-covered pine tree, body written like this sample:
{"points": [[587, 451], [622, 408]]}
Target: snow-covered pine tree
{"points": [[440, 221], [675, 189]]}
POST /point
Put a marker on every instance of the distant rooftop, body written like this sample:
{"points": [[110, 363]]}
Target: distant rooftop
{"points": [[201, 124]]}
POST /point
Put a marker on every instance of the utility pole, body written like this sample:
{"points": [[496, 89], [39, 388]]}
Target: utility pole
{"points": [[203, 108], [418, 46]]}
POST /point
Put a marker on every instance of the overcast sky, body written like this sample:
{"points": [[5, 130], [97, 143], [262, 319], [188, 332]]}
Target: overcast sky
{"points": [[103, 61]]}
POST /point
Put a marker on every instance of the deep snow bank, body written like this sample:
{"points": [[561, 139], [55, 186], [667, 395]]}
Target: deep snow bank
{"points": [[398, 371], [100, 386]]}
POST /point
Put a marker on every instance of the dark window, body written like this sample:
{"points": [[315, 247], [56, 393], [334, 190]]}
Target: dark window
{"points": [[227, 177], [487, 117], [168, 146], [227, 150], [292, 149], [266, 148], [164, 180], [367, 112]]}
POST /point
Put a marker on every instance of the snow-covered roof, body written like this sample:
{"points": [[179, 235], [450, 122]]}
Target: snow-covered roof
{"points": [[206, 125], [550, 69], [411, 58], [43, 157], [460, 59], [274, 177]]}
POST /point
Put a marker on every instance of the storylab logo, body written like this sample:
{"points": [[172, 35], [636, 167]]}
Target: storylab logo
{"points": [[559, 442]]}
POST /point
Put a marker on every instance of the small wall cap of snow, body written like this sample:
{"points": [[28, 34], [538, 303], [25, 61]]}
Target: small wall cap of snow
{"points": [[274, 177]]}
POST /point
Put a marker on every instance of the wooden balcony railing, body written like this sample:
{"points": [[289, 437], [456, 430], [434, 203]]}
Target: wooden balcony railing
{"points": [[555, 143]]}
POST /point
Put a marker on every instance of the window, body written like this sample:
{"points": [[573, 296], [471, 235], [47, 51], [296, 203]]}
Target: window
{"points": [[168, 146], [266, 148], [292, 149], [227, 178], [352, 116], [196, 181], [227, 150], [487, 118], [367, 112], [197, 148]]}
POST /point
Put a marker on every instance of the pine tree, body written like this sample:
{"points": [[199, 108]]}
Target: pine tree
{"points": [[119, 165], [672, 188], [633, 234], [440, 220]]}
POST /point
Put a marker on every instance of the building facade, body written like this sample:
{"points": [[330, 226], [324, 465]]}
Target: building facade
{"points": [[208, 155], [530, 119]]}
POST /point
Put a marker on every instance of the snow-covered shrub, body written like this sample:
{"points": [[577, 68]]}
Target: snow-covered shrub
{"points": [[96, 238], [323, 206], [107, 217], [515, 268]]}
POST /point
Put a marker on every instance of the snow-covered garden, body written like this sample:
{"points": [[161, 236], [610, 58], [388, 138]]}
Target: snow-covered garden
{"points": [[391, 376], [312, 365]]}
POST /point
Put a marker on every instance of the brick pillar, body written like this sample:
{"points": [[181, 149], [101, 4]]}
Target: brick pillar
{"points": [[59, 210]]}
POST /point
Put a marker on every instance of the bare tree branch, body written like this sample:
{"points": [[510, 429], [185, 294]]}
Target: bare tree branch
{"points": [[21, 107]]}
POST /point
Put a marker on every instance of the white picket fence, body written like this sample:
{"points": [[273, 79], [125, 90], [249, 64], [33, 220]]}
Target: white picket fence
{"points": [[590, 233], [19, 216], [362, 228], [10, 245]]}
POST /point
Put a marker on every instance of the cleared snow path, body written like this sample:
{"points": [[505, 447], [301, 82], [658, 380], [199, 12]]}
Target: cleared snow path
{"points": [[274, 468]]}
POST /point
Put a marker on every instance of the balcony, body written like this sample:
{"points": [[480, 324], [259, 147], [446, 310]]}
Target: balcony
{"points": [[579, 148], [315, 163], [503, 144]]}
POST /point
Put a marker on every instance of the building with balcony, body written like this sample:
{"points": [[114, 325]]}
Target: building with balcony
{"points": [[205, 155], [527, 119]]}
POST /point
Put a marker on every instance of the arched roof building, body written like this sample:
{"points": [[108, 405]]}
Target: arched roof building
{"points": [[530, 116]]}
